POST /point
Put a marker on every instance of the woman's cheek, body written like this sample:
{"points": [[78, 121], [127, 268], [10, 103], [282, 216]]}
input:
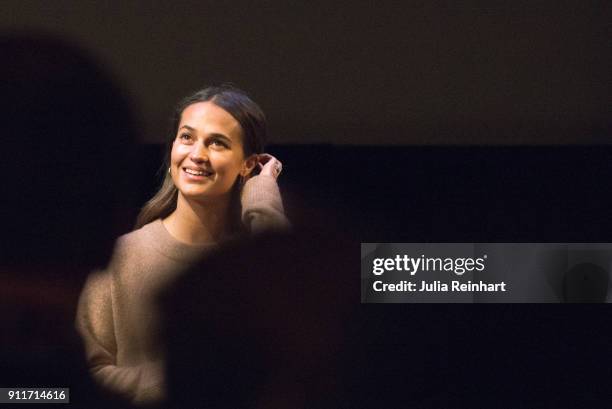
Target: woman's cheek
{"points": [[178, 153], [219, 161], [182, 150]]}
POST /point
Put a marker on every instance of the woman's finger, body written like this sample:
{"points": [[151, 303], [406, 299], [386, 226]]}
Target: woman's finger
{"points": [[264, 157], [271, 165]]}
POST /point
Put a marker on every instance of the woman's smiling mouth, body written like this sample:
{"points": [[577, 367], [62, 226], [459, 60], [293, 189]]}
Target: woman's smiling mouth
{"points": [[197, 173]]}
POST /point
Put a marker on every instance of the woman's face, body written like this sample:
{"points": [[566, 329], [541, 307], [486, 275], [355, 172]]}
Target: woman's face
{"points": [[207, 154]]}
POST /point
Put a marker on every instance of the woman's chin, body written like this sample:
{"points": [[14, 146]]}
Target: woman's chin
{"points": [[203, 195]]}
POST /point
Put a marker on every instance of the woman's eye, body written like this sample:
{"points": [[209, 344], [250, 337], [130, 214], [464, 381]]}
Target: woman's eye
{"points": [[218, 143], [184, 137]]}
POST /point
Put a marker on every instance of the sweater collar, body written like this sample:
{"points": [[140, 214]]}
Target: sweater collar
{"points": [[166, 244]]}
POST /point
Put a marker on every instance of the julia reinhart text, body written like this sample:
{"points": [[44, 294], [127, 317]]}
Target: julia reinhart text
{"points": [[438, 286]]}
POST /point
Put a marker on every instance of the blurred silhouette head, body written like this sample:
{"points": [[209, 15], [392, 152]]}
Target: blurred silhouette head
{"points": [[259, 323], [65, 155], [66, 134]]}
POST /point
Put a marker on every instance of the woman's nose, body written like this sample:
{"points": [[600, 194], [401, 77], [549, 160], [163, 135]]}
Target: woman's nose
{"points": [[199, 153]]}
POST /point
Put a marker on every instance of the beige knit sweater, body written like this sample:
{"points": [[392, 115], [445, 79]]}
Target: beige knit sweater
{"points": [[117, 312]]}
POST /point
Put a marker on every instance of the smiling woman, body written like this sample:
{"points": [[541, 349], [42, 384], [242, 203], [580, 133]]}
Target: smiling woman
{"points": [[210, 192], [221, 123], [207, 155]]}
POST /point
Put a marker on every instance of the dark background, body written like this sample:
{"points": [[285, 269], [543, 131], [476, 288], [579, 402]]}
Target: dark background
{"points": [[410, 72], [402, 122]]}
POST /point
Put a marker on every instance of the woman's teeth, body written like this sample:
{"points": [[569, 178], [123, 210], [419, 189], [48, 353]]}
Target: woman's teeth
{"points": [[195, 172]]}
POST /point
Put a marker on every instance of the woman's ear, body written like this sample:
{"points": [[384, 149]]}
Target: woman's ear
{"points": [[249, 164]]}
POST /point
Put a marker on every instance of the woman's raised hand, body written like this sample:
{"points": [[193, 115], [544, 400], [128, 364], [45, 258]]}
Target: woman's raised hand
{"points": [[269, 165]]}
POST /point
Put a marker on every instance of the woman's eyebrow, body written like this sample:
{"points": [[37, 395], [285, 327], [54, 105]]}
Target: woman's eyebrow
{"points": [[221, 136], [212, 135]]}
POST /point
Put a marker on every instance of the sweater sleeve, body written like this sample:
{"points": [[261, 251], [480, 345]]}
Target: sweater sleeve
{"points": [[262, 205], [95, 323]]}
